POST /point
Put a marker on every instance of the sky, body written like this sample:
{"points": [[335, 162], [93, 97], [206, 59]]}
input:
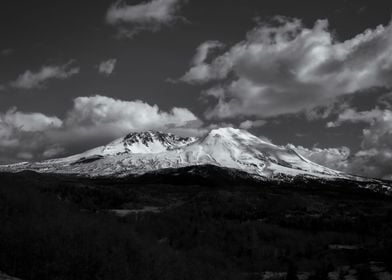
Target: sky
{"points": [[313, 75]]}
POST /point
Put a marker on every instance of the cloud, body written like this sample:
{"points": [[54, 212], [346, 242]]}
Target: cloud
{"points": [[22, 135], [248, 124], [6, 52], [107, 67], [7, 138], [385, 101], [375, 155], [92, 121], [335, 158], [53, 151], [199, 68], [283, 67], [96, 120], [334, 108], [150, 16], [25, 155], [108, 118], [30, 80], [353, 116], [126, 115], [29, 122]]}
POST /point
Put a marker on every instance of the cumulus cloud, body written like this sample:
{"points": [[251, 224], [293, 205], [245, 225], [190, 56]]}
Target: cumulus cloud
{"points": [[22, 135], [335, 158], [199, 68], [101, 116], [29, 121], [29, 79], [7, 138], [107, 67], [283, 67], [375, 154], [92, 121], [149, 15], [374, 158], [15, 125], [129, 115]]}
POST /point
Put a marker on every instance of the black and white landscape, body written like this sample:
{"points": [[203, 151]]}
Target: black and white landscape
{"points": [[185, 139]]}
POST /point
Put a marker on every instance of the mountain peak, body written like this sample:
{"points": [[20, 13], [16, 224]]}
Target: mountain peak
{"points": [[235, 135], [145, 134], [226, 133], [151, 138]]}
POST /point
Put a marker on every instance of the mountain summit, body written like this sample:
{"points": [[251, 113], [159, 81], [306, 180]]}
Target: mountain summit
{"points": [[141, 152]]}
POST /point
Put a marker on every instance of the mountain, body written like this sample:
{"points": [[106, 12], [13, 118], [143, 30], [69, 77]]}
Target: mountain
{"points": [[142, 152]]}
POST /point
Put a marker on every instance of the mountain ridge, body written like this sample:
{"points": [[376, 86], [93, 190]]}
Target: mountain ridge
{"points": [[145, 151]]}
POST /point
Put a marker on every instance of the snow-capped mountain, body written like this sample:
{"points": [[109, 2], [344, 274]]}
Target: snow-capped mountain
{"points": [[142, 152]]}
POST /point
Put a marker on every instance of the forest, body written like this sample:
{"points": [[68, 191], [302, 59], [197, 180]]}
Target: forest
{"points": [[65, 227]]}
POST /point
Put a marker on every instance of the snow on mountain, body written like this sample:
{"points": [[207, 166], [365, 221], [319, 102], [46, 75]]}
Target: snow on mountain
{"points": [[141, 152], [146, 142]]}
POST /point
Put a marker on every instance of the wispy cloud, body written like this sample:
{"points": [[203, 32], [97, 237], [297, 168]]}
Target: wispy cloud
{"points": [[150, 16], [7, 52], [30, 80], [107, 67], [351, 115], [248, 124]]}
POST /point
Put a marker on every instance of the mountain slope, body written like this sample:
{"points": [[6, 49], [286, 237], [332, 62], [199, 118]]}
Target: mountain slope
{"points": [[142, 152]]}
